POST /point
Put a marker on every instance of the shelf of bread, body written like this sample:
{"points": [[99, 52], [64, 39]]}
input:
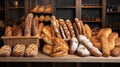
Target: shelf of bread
{"points": [[64, 41], [69, 58]]}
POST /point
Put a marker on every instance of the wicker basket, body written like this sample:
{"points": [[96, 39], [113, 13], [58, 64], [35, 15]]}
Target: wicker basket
{"points": [[20, 40]]}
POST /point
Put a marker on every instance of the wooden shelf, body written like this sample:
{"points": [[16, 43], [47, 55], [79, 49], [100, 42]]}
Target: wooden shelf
{"points": [[16, 7], [65, 7], [70, 58], [114, 12], [91, 6], [93, 21]]}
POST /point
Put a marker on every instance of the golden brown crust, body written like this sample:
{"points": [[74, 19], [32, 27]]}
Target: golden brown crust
{"points": [[41, 25], [35, 26], [82, 28], [117, 42], [18, 50], [18, 31], [70, 27], [77, 22], [76, 30], [115, 52], [47, 31], [31, 50], [47, 49], [112, 37], [5, 51], [47, 39], [8, 31], [88, 31], [65, 28]]}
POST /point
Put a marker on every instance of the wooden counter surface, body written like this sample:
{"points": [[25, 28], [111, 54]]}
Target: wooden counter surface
{"points": [[70, 58]]}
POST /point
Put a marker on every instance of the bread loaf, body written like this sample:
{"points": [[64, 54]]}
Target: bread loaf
{"points": [[47, 49], [31, 50], [112, 37], [82, 28], [18, 50], [47, 39], [47, 31], [35, 26], [41, 25], [88, 31], [77, 22], [82, 51], [87, 43], [73, 45], [18, 31], [117, 42], [5, 51], [62, 32], [76, 30], [115, 52], [55, 26], [28, 24], [8, 31]]}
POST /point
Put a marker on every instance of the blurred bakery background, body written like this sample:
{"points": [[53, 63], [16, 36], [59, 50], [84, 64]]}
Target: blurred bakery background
{"points": [[97, 14]]}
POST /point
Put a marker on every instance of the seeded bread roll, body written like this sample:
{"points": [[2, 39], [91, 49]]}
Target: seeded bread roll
{"points": [[5, 51], [18, 50]]}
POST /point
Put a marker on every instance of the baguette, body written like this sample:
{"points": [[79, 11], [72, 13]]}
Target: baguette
{"points": [[88, 31], [76, 30], [83, 28], [62, 32], [35, 26], [77, 22], [70, 27], [65, 28], [41, 25]]}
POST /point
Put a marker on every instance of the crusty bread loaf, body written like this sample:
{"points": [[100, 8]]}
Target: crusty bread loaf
{"points": [[105, 46], [76, 30], [28, 24], [31, 50], [112, 37], [117, 42], [35, 26], [47, 49], [87, 43], [62, 32], [8, 31], [5, 51], [73, 45], [18, 50], [83, 51], [77, 22], [18, 31], [47, 39], [54, 23], [82, 28], [88, 31], [47, 31], [115, 52], [41, 25]]}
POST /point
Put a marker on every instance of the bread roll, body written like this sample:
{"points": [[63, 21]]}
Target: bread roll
{"points": [[18, 50], [55, 26], [35, 9], [87, 43], [47, 18], [41, 25], [5, 51], [65, 28], [41, 9], [112, 37], [8, 31], [115, 52], [88, 31], [35, 26], [117, 42], [82, 51], [28, 24], [73, 45], [70, 27], [31, 50], [47, 49], [41, 18]]}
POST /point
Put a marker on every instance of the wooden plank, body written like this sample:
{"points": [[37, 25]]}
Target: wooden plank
{"points": [[70, 58]]}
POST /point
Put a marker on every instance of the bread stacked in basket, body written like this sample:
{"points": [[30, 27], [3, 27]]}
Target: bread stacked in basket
{"points": [[61, 37]]}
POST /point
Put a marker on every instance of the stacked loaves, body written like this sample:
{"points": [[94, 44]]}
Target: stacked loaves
{"points": [[19, 50]]}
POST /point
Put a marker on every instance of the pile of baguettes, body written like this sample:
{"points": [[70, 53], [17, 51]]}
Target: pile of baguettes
{"points": [[62, 38]]}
